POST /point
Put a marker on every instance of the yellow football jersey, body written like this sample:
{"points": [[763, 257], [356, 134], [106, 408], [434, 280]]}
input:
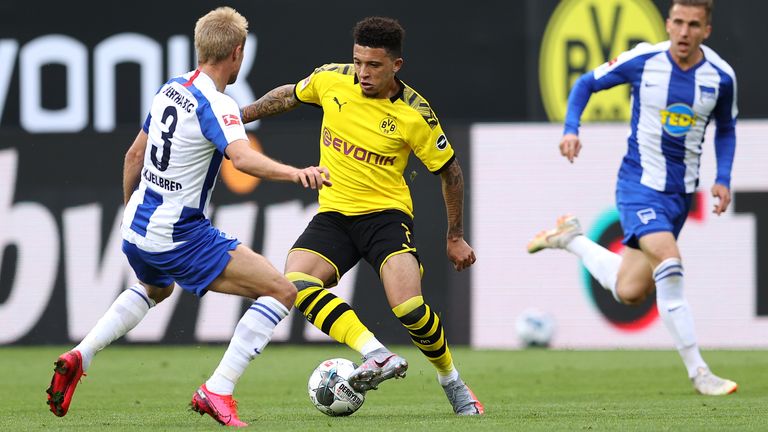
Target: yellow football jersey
{"points": [[365, 142]]}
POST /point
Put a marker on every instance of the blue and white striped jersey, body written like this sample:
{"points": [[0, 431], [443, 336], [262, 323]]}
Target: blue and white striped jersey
{"points": [[189, 126], [670, 112]]}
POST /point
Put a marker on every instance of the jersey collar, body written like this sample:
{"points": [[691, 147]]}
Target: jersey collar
{"points": [[690, 69], [399, 94]]}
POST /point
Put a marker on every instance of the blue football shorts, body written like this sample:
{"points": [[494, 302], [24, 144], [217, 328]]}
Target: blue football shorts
{"points": [[643, 211], [193, 265]]}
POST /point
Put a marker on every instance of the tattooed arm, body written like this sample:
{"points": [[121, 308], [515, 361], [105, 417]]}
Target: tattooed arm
{"points": [[459, 252], [276, 101]]}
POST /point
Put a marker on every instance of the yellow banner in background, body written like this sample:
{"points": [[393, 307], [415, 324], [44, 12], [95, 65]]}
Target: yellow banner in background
{"points": [[583, 34]]}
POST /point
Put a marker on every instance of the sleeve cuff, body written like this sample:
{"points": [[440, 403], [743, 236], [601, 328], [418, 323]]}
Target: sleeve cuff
{"points": [[445, 165]]}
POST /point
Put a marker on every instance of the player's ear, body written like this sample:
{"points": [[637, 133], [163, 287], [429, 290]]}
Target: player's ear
{"points": [[398, 63], [238, 52]]}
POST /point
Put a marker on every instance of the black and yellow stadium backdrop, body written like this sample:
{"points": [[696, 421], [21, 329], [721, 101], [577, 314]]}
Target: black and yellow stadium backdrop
{"points": [[491, 60], [74, 90]]}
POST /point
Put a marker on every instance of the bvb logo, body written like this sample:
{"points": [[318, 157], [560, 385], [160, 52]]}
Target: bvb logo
{"points": [[580, 36], [388, 125]]}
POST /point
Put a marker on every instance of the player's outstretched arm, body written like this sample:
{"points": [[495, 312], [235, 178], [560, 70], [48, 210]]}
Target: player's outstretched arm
{"points": [[276, 101], [459, 252], [134, 161], [249, 161]]}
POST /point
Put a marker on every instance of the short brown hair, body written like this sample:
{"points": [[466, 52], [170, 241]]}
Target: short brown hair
{"points": [[218, 33], [380, 32], [708, 5]]}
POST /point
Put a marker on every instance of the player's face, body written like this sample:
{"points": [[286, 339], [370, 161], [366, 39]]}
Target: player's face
{"points": [[687, 27], [376, 71]]}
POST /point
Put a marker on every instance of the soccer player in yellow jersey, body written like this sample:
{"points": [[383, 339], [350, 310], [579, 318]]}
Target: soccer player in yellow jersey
{"points": [[371, 123]]}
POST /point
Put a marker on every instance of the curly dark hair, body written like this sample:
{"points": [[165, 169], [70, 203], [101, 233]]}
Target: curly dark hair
{"points": [[380, 32]]}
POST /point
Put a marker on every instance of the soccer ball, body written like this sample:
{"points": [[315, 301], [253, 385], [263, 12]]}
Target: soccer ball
{"points": [[329, 390], [535, 328]]}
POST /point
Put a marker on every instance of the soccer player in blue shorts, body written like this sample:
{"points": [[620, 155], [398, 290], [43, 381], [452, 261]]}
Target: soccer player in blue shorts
{"points": [[678, 86], [169, 174]]}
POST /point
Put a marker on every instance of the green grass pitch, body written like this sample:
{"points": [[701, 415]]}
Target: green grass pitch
{"points": [[131, 388]]}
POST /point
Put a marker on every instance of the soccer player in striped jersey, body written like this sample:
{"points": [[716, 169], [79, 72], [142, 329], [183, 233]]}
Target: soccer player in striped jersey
{"points": [[678, 87], [169, 174], [372, 121]]}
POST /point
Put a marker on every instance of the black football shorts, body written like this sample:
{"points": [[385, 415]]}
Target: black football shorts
{"points": [[344, 240]]}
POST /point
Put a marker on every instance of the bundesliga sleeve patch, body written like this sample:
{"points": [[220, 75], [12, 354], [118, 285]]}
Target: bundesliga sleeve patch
{"points": [[230, 119], [441, 143]]}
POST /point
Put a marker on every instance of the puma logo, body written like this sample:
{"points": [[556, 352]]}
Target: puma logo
{"points": [[340, 104]]}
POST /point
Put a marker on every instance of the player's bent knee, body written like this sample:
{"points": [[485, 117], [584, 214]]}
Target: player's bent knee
{"points": [[631, 295], [290, 293], [633, 301], [158, 294], [283, 291]]}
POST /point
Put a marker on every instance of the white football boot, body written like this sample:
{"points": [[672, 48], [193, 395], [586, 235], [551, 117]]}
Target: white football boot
{"points": [[567, 228], [707, 383]]}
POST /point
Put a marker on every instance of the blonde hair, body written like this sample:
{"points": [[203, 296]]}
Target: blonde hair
{"points": [[218, 33]]}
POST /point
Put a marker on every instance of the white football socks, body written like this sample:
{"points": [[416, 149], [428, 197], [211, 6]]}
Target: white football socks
{"points": [[452, 376], [674, 311], [126, 312], [372, 345], [252, 334], [601, 263]]}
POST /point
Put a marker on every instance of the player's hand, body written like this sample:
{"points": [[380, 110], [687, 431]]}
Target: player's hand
{"points": [[313, 177], [460, 253], [723, 194], [570, 146]]}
